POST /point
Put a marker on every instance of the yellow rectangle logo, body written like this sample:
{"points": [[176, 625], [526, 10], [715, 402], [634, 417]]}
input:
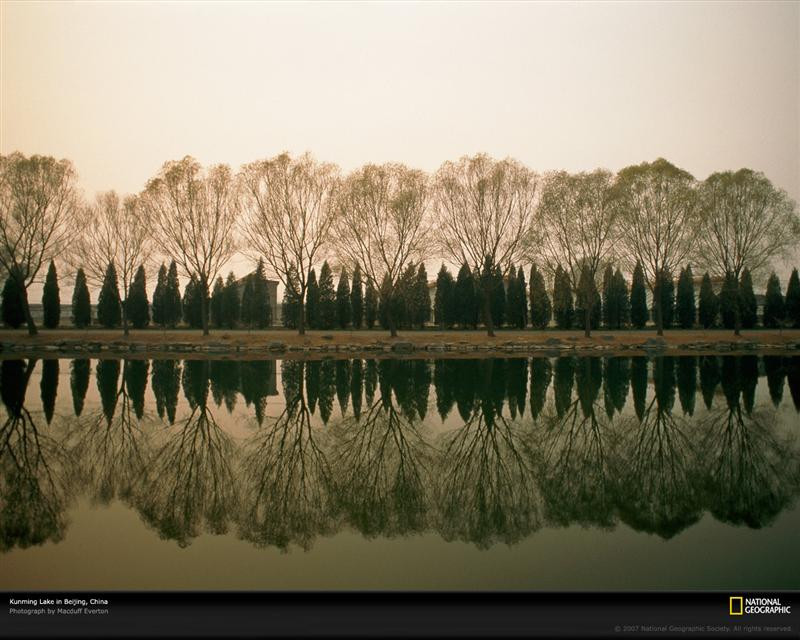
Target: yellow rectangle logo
{"points": [[737, 605]]}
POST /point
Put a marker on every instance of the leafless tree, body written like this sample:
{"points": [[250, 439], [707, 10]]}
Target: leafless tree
{"points": [[382, 226], [744, 222], [575, 223], [484, 211], [114, 231], [657, 208], [288, 216], [38, 204], [192, 213]]}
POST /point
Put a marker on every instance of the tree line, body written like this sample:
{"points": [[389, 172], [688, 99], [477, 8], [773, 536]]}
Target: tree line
{"points": [[293, 214]]}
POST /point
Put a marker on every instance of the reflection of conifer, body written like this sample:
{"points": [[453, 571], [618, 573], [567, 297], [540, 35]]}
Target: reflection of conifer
{"points": [[166, 385], [49, 387], [687, 383], [107, 374], [136, 383], [80, 370], [357, 386], [639, 384], [709, 378], [563, 379], [541, 372], [773, 366]]}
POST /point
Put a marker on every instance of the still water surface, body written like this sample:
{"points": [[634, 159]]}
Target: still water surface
{"points": [[521, 473]]}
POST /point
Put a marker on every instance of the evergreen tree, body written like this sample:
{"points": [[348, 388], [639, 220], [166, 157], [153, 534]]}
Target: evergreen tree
{"points": [[247, 304], [422, 297], [667, 292], [638, 298], [344, 307], [172, 299], [327, 298], [792, 300], [466, 304], [774, 310], [109, 308], [370, 305], [261, 308], [51, 300], [609, 302], [357, 299], [231, 309], [747, 300], [541, 309], [217, 304], [729, 301], [137, 306], [81, 305], [587, 294], [708, 304], [521, 315], [621, 301], [312, 301], [512, 301], [13, 312], [159, 296], [685, 304], [563, 311], [444, 299], [192, 304], [498, 297], [291, 300]]}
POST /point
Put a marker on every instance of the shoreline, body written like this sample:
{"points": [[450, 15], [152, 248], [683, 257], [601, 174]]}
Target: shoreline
{"points": [[277, 343]]}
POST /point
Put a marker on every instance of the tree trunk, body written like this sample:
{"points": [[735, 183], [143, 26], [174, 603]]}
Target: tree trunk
{"points": [[392, 323], [204, 305], [125, 331], [301, 316], [487, 310], [657, 306], [26, 308]]}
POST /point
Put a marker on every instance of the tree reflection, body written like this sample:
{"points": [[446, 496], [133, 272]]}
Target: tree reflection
{"points": [[687, 383], [48, 388], [616, 381], [258, 382], [709, 378], [541, 373], [793, 378], [773, 366], [166, 384], [80, 371], [35, 470], [226, 381]]}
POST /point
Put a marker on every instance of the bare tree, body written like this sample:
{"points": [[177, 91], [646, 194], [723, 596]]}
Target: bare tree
{"points": [[192, 213], [657, 208], [114, 231], [382, 226], [484, 210], [575, 224], [38, 203], [745, 222], [288, 215]]}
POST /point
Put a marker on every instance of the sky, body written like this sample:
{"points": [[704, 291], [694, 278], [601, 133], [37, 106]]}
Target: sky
{"points": [[120, 88]]}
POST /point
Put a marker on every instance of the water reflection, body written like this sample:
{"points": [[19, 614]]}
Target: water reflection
{"points": [[484, 451]]}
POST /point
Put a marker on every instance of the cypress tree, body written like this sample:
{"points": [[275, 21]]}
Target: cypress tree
{"points": [[81, 305], [192, 304], [609, 303], [747, 299], [231, 310], [327, 298], [541, 309], [312, 301], [159, 296], [498, 297], [512, 301], [587, 294], [51, 300], [247, 304], [792, 300], [13, 313], [357, 299], [521, 318], [667, 291], [370, 305], [291, 300], [422, 298], [621, 301], [729, 301], [638, 298], [109, 308], [444, 299], [261, 309], [137, 305], [708, 305], [344, 306], [774, 310], [466, 303], [563, 311], [172, 300], [217, 304], [685, 303]]}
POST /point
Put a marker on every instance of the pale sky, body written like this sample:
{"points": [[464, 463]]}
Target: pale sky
{"points": [[119, 88]]}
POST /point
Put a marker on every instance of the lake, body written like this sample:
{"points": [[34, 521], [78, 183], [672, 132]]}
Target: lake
{"points": [[568, 473]]}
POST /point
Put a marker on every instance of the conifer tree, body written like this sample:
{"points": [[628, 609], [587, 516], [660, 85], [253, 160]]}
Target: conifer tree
{"points": [[327, 298], [217, 304], [621, 300], [422, 297], [51, 300], [792, 300], [466, 302], [247, 303], [563, 310], [444, 299], [747, 300], [685, 304], [370, 305], [261, 307], [192, 304], [708, 304], [344, 307], [159, 296], [729, 302], [609, 303], [357, 299], [312, 301], [512, 302], [638, 298], [498, 297], [291, 300], [667, 290], [521, 320], [109, 308], [541, 309], [81, 304], [137, 305], [231, 309], [587, 294], [774, 309], [13, 312], [172, 299]]}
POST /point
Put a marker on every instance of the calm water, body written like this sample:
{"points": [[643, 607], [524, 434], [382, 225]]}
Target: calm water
{"points": [[527, 473]]}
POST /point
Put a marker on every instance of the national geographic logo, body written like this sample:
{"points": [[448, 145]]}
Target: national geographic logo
{"points": [[739, 605]]}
